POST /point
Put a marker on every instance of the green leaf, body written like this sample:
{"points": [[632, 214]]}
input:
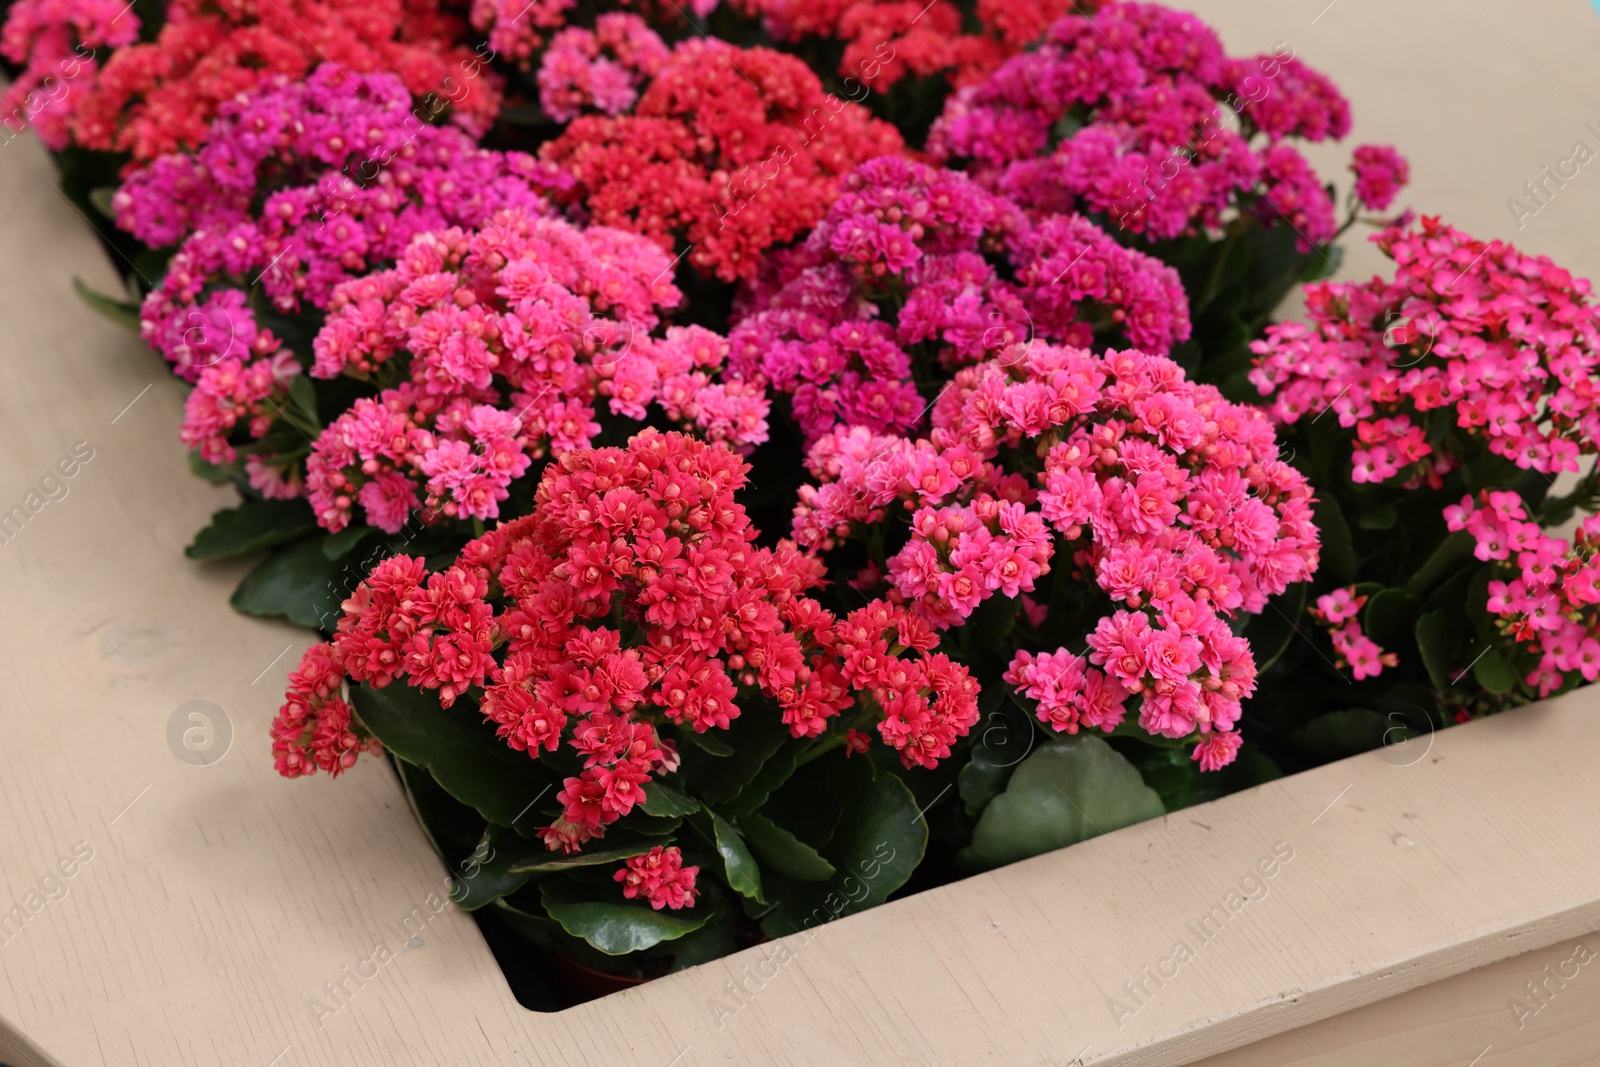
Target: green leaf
{"points": [[743, 873], [879, 842], [486, 874], [1006, 737], [755, 735], [118, 311], [706, 742], [1453, 552], [251, 527], [1381, 517], [544, 860], [216, 474], [445, 819], [1337, 734], [663, 800], [1438, 640], [1338, 551], [1271, 632], [298, 583], [1390, 616], [617, 929], [459, 749], [303, 399], [782, 851], [101, 199], [773, 773], [1069, 790], [1494, 673], [341, 544]]}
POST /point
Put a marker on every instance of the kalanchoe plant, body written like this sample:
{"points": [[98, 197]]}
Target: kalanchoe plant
{"points": [[1435, 413], [727, 153], [621, 681], [1135, 116]]}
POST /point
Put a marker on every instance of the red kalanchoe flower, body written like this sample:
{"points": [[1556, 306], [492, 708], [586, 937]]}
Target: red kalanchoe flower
{"points": [[660, 877], [312, 729], [729, 151], [160, 96]]}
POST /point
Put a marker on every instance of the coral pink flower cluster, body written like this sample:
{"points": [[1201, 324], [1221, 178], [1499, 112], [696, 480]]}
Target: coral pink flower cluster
{"points": [[55, 43], [1127, 114], [505, 338], [660, 877], [521, 29], [1546, 593], [157, 97], [599, 69], [895, 281], [312, 729], [300, 186], [728, 152], [1338, 612], [1469, 336], [886, 41], [1167, 497]]}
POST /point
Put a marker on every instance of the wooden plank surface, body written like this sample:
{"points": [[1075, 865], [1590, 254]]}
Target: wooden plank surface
{"points": [[217, 903], [1489, 1017]]}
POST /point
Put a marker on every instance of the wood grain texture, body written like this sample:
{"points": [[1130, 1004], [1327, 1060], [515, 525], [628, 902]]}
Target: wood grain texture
{"points": [[220, 900]]}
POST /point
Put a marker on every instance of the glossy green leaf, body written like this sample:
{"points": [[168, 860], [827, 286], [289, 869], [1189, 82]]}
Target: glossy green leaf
{"points": [[1438, 640], [253, 526], [740, 867], [298, 583], [782, 851], [118, 311], [1494, 673], [1345, 732], [755, 736], [1390, 616], [1069, 790], [662, 800], [1453, 552], [341, 544], [617, 929], [879, 842], [1005, 735], [460, 750]]}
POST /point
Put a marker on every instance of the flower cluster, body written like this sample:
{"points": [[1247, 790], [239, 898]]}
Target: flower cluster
{"points": [[520, 29], [886, 41], [55, 41], [301, 186], [898, 279], [1338, 611], [660, 877], [1122, 115], [729, 151], [507, 337], [1545, 595], [160, 96], [1472, 342], [1169, 499], [600, 69], [312, 730]]}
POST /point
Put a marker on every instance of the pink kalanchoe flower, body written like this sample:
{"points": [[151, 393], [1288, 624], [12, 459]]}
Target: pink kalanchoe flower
{"points": [[599, 69], [1381, 171], [660, 877], [506, 340], [54, 42], [301, 186], [1164, 134], [912, 259], [1217, 749], [1471, 338], [1164, 495]]}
